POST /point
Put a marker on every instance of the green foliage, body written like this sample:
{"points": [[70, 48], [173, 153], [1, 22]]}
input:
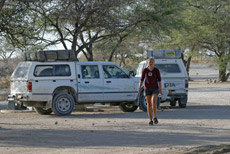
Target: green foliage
{"points": [[19, 25], [120, 29]]}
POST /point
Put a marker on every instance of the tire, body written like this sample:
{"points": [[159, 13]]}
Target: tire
{"points": [[143, 103], [172, 103], [43, 111], [128, 107], [63, 104], [183, 102]]}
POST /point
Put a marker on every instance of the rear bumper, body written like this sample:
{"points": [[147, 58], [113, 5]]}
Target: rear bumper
{"points": [[177, 95], [29, 97], [22, 98], [18, 97], [171, 97]]}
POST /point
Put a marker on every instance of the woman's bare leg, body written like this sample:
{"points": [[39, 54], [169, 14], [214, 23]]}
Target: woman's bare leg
{"points": [[154, 102], [149, 107]]}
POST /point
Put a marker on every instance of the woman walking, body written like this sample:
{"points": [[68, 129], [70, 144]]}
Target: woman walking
{"points": [[152, 87]]}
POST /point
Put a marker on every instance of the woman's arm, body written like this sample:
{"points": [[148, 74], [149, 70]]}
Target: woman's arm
{"points": [[139, 88], [141, 80], [160, 88]]}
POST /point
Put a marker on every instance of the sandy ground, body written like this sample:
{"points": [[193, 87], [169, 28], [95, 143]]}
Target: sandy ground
{"points": [[202, 127]]}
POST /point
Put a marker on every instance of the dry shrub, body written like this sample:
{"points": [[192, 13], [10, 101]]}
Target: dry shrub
{"points": [[4, 88], [3, 97], [4, 82], [202, 60]]}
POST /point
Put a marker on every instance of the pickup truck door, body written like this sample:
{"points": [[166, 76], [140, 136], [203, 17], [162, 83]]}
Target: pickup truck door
{"points": [[90, 83], [118, 86]]}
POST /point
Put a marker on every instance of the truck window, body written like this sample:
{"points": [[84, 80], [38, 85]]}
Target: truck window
{"points": [[43, 71], [62, 70], [22, 70], [90, 72], [111, 71], [52, 70], [140, 68], [168, 68]]}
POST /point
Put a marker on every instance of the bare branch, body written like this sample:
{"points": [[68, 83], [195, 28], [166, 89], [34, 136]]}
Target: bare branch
{"points": [[2, 3]]}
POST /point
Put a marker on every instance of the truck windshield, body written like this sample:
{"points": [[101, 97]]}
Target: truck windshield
{"points": [[168, 68]]}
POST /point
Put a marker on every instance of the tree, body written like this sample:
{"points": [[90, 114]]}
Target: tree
{"points": [[211, 19], [154, 18], [82, 22], [204, 27], [6, 53], [122, 48], [18, 25]]}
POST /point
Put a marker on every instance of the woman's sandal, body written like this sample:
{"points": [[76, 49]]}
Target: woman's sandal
{"points": [[151, 122], [155, 121]]}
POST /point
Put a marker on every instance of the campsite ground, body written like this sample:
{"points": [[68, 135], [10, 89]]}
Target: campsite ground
{"points": [[201, 127]]}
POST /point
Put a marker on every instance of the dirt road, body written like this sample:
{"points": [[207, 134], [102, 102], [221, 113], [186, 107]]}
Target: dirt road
{"points": [[204, 126]]}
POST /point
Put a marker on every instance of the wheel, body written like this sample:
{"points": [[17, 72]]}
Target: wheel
{"points": [[128, 107], [183, 102], [143, 103], [172, 103], [43, 111], [63, 104]]}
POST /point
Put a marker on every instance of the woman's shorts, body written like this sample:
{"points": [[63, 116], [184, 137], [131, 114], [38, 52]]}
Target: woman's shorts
{"points": [[150, 92]]}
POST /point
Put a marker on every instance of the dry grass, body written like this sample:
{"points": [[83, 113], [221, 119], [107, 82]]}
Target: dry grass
{"points": [[202, 60], [4, 82], [3, 98]]}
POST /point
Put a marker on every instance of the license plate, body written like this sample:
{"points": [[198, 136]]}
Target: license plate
{"points": [[170, 92], [19, 96]]}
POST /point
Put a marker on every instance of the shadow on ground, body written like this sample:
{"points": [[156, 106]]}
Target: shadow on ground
{"points": [[55, 138], [166, 112]]}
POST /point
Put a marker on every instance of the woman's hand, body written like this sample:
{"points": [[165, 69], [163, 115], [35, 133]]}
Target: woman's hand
{"points": [[139, 90], [161, 93]]}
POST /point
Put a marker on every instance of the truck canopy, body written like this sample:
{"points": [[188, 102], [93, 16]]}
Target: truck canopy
{"points": [[164, 54]]}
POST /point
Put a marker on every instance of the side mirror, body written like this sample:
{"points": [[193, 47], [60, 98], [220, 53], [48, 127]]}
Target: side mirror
{"points": [[131, 73]]}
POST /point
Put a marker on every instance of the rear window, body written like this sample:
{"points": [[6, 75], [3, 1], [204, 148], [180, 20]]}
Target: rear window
{"points": [[21, 71], [52, 70], [140, 68], [168, 68]]}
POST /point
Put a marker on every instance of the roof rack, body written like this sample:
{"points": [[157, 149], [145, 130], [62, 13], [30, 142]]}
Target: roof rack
{"points": [[164, 54], [50, 55]]}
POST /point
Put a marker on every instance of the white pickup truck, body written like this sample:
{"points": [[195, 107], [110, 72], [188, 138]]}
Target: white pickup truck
{"points": [[173, 74], [57, 86]]}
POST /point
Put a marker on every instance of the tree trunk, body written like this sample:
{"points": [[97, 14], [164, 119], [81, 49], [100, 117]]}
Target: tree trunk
{"points": [[74, 45], [90, 52], [223, 77], [188, 65], [121, 38], [113, 51], [122, 60], [2, 3]]}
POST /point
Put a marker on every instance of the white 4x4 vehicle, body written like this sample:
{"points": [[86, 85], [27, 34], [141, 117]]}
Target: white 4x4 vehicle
{"points": [[57, 86], [173, 74]]}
